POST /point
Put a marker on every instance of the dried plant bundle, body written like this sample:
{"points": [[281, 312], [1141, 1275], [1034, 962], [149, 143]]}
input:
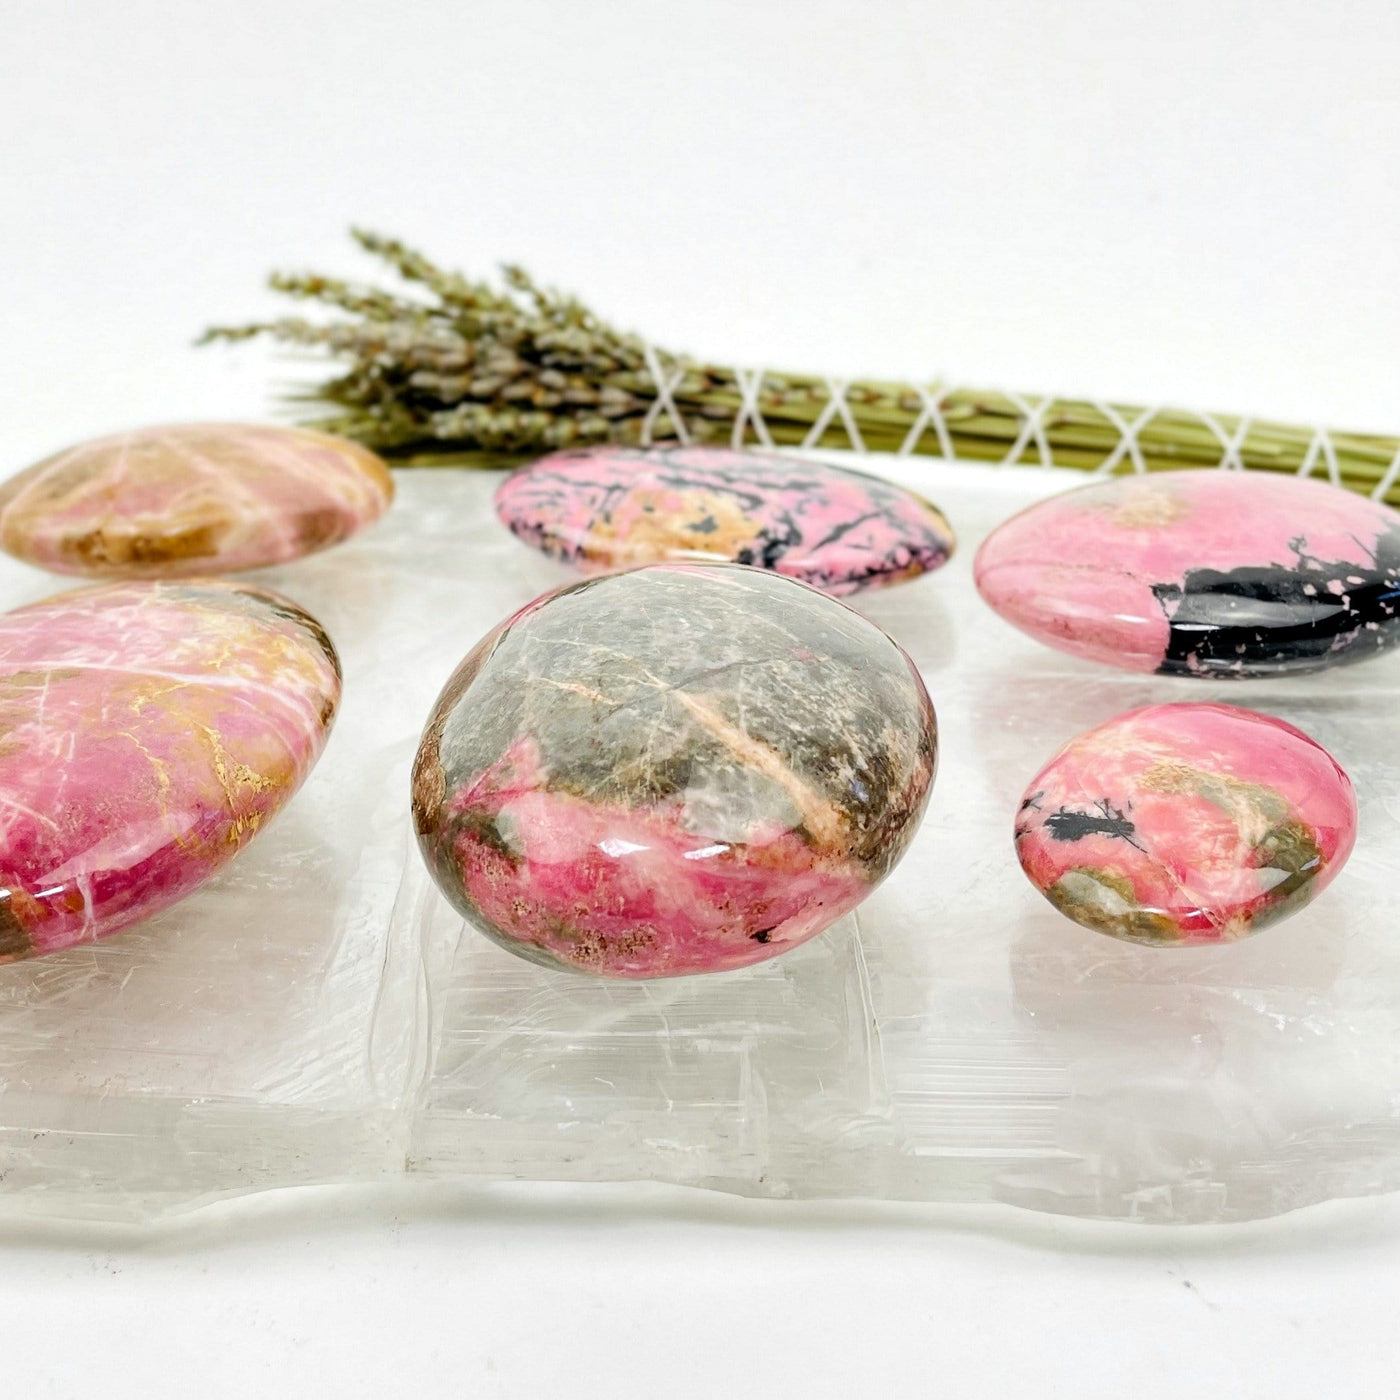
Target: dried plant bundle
{"points": [[451, 371]]}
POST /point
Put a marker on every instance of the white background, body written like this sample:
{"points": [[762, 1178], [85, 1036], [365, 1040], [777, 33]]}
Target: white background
{"points": [[1187, 202]]}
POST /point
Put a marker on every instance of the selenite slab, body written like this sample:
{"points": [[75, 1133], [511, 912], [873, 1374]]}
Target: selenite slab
{"points": [[317, 1012]]}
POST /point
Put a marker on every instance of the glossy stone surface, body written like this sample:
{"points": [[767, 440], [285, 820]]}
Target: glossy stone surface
{"points": [[191, 499], [1189, 823], [683, 768], [1201, 573], [616, 507], [147, 732]]}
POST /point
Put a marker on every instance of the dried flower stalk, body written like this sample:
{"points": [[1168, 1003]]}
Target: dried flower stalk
{"points": [[454, 372]]}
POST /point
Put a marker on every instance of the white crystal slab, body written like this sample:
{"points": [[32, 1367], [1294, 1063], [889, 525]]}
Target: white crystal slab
{"points": [[319, 1014]]}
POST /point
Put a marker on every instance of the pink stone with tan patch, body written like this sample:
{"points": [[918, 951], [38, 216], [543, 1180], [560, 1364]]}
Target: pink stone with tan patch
{"points": [[1186, 824], [618, 507], [148, 730], [191, 499]]}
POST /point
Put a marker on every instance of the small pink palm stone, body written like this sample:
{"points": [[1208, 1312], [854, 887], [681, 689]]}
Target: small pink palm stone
{"points": [[1186, 824], [685, 768], [191, 499]]}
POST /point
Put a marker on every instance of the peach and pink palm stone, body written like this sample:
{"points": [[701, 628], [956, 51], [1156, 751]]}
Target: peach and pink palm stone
{"points": [[191, 499], [148, 730], [1215, 574], [1186, 824], [679, 769], [617, 507]]}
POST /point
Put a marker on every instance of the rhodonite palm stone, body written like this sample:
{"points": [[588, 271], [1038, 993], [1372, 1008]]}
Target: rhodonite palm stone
{"points": [[147, 732], [616, 507], [191, 499], [1186, 823], [678, 769], [1201, 573]]}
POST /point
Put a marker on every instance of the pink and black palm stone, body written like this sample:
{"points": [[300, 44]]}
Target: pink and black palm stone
{"points": [[1186, 824], [1201, 573], [682, 768], [617, 507]]}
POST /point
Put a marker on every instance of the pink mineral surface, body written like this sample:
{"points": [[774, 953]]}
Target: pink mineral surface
{"points": [[617, 507], [677, 769], [147, 732], [1201, 573], [1186, 823], [191, 499]]}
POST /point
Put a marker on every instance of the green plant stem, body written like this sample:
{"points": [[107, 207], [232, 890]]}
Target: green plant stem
{"points": [[454, 372]]}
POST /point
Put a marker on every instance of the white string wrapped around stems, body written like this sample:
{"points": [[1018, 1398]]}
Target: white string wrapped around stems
{"points": [[471, 373], [664, 402], [1030, 432]]}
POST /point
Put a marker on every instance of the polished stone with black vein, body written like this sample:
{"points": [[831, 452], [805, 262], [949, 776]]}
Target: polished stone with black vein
{"points": [[1186, 824], [1202, 573], [612, 507]]}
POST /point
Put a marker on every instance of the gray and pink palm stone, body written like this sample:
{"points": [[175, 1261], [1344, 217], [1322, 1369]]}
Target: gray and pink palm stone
{"points": [[679, 769]]}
